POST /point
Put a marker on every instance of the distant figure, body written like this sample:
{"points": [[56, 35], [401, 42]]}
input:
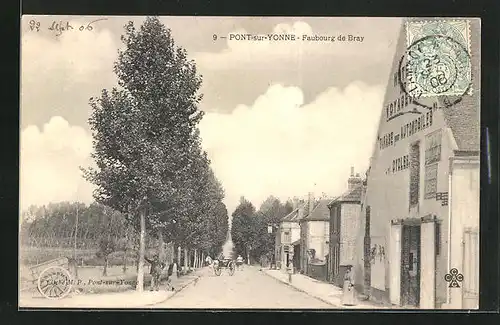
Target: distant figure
{"points": [[348, 294], [156, 269], [170, 272], [239, 262], [208, 260], [174, 271]]}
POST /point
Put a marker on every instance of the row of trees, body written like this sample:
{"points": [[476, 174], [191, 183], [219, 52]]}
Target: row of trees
{"points": [[56, 224], [149, 162], [249, 227]]}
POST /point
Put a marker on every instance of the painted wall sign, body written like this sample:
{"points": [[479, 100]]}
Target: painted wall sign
{"points": [[443, 197], [420, 123], [378, 261]]}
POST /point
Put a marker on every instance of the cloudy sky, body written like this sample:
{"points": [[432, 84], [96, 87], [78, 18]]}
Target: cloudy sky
{"points": [[282, 118]]}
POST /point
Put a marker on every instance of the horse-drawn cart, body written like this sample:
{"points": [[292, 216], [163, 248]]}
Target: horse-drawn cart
{"points": [[226, 264], [53, 278]]}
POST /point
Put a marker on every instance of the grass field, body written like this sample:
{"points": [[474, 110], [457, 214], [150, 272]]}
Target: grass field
{"points": [[91, 281], [90, 268], [85, 257]]}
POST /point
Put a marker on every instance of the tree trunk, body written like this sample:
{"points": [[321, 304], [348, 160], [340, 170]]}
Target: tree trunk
{"points": [[186, 258], [161, 247], [105, 270], [202, 259], [248, 257], [179, 250], [142, 248], [196, 259], [125, 261]]}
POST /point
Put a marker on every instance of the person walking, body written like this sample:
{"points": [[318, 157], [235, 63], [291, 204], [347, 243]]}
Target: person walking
{"points": [[348, 292], [155, 271], [239, 262]]}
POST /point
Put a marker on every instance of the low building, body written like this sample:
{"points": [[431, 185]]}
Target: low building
{"points": [[421, 207], [345, 215], [289, 236], [314, 237]]}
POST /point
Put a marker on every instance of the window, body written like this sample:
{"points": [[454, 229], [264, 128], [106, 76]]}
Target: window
{"points": [[433, 148], [287, 237], [414, 174], [367, 223], [430, 181]]}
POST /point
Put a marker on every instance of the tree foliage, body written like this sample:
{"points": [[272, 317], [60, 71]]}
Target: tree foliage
{"points": [[244, 227], [271, 212], [250, 227], [149, 162], [107, 245], [147, 146], [54, 225]]}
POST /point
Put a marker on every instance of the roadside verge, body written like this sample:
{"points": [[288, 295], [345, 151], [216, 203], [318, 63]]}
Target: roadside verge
{"points": [[128, 299]]}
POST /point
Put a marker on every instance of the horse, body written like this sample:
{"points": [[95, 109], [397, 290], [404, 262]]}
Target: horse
{"points": [[209, 260]]}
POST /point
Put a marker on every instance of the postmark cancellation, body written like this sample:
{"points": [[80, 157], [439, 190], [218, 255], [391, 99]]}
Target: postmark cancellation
{"points": [[438, 58]]}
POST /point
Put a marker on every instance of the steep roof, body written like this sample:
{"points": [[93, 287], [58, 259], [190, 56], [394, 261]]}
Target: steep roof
{"points": [[292, 216], [463, 118], [353, 195], [320, 212], [464, 123]]}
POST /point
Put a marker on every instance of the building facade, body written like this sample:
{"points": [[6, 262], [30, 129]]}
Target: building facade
{"points": [[420, 211], [289, 232], [345, 215], [314, 234]]}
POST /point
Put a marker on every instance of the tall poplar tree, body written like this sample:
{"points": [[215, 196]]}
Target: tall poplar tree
{"points": [[145, 130]]}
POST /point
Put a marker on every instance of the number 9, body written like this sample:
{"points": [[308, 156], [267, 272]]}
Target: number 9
{"points": [[214, 37]]}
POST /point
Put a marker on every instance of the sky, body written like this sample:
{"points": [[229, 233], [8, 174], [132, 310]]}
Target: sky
{"points": [[281, 118]]}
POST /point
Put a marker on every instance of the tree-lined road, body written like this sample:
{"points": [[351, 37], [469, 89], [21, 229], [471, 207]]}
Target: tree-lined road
{"points": [[248, 288]]}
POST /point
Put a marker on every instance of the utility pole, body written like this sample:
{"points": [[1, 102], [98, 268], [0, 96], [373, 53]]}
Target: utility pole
{"points": [[74, 248], [76, 233]]}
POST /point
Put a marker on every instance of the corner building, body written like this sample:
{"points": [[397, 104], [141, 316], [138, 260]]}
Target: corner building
{"points": [[421, 205]]}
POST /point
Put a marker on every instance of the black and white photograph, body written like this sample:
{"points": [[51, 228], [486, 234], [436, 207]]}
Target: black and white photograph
{"points": [[220, 162]]}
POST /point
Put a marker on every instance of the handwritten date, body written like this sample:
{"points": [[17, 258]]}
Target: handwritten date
{"points": [[59, 27]]}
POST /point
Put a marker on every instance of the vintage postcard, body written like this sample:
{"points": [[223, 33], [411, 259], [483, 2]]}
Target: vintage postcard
{"points": [[249, 162]]}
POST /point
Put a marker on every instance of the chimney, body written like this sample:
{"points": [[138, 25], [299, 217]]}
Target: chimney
{"points": [[354, 181], [310, 202]]}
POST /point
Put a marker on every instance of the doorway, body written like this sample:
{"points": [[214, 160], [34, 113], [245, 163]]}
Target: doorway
{"points": [[335, 244], [287, 255], [410, 266], [366, 254]]}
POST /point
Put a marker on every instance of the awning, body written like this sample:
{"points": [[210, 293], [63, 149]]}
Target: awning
{"points": [[295, 243]]}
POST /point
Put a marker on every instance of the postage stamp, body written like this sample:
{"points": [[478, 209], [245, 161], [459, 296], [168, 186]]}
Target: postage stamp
{"points": [[438, 58]]}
